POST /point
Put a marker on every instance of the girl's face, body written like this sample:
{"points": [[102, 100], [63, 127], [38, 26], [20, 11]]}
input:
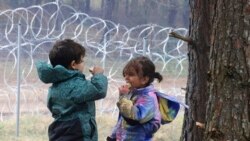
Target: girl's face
{"points": [[134, 80]]}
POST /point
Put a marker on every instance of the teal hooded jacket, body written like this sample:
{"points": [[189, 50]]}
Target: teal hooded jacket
{"points": [[71, 100]]}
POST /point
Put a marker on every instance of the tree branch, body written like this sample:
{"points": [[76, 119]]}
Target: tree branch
{"points": [[200, 125], [178, 36]]}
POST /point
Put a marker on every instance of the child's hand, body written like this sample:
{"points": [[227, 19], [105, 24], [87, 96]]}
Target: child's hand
{"points": [[124, 89], [110, 139], [96, 70], [125, 106]]}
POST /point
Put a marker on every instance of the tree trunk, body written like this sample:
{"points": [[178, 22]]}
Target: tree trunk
{"points": [[146, 14], [116, 15], [134, 5], [127, 7], [228, 111], [37, 2], [81, 5], [108, 8], [108, 15], [87, 6], [196, 96], [172, 15]]}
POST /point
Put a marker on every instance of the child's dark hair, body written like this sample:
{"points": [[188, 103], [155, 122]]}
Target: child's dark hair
{"points": [[143, 66], [65, 51]]}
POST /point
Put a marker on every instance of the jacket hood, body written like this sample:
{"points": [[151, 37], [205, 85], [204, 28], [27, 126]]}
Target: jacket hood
{"points": [[49, 74]]}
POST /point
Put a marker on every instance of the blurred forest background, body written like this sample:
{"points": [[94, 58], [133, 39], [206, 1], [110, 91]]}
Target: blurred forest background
{"points": [[166, 13]]}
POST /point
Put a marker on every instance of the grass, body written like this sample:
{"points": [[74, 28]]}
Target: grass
{"points": [[34, 128]]}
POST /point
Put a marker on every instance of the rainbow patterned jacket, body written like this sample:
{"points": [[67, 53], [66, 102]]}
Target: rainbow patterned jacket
{"points": [[139, 116]]}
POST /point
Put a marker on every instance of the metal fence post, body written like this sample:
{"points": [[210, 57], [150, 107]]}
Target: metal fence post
{"points": [[18, 79]]}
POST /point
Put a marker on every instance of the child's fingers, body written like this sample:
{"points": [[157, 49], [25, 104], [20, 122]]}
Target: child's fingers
{"points": [[96, 69], [91, 69]]}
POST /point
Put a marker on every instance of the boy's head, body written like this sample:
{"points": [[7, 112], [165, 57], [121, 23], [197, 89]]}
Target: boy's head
{"points": [[66, 53]]}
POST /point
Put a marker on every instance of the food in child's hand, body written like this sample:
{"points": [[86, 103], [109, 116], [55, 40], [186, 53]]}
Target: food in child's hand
{"points": [[91, 69], [124, 89]]}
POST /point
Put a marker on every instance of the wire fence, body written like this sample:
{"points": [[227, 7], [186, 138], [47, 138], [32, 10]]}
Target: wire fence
{"points": [[108, 44]]}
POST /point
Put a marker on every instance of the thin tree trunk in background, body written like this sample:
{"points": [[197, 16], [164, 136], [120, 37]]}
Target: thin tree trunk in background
{"points": [[115, 10], [228, 113], [134, 5], [127, 7], [185, 14], [58, 19], [196, 96], [13, 4], [87, 6], [81, 5], [37, 2], [78, 5], [172, 14], [108, 15], [108, 9], [146, 11], [102, 4]]}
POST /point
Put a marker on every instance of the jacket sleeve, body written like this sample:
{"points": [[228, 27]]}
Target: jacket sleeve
{"points": [[91, 90], [142, 110]]}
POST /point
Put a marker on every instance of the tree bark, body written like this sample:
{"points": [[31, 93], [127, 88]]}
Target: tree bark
{"points": [[196, 96], [228, 111]]}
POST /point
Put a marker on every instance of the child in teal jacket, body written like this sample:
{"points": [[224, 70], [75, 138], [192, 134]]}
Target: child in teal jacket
{"points": [[71, 98]]}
